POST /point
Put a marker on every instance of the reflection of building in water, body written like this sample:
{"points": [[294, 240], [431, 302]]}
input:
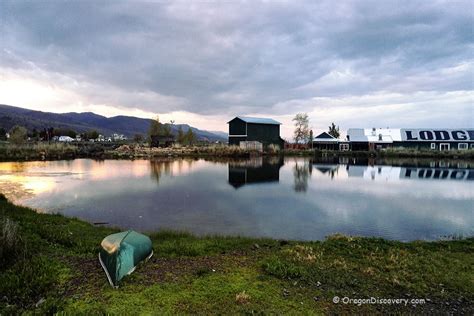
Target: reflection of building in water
{"points": [[326, 169], [256, 170], [437, 174], [396, 173]]}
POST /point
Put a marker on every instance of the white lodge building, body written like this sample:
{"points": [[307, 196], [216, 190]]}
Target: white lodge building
{"points": [[421, 138]]}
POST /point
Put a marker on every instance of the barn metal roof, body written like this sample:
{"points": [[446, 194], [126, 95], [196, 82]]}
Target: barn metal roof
{"points": [[258, 120]]}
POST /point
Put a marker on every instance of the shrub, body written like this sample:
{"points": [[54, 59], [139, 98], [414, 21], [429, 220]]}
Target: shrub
{"points": [[18, 134], [273, 149]]}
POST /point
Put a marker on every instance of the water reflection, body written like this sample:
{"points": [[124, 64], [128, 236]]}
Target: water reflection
{"points": [[255, 170], [412, 173], [157, 168], [170, 167], [330, 170], [396, 199], [302, 171]]}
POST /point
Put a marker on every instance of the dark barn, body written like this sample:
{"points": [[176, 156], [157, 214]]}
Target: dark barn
{"points": [[162, 141], [263, 130]]}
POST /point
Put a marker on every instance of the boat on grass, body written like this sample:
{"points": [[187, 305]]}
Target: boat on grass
{"points": [[122, 252]]}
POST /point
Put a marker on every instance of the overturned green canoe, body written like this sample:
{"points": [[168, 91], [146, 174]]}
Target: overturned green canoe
{"points": [[122, 252]]}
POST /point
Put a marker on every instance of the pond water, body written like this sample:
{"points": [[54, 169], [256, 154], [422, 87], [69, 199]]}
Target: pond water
{"points": [[291, 198]]}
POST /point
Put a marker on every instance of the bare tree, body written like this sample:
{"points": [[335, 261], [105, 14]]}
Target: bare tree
{"points": [[301, 133]]}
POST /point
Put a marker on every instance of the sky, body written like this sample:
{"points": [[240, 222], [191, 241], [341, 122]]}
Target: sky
{"points": [[355, 63]]}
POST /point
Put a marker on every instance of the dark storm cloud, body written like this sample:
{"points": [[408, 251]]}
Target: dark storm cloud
{"points": [[243, 57]]}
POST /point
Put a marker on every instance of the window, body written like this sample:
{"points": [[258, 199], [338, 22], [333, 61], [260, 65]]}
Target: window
{"points": [[343, 147], [462, 146], [444, 146], [472, 145], [433, 145]]}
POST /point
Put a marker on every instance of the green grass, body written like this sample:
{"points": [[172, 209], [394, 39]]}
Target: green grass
{"points": [[52, 267]]}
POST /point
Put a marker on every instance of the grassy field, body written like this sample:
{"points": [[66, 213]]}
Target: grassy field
{"points": [[105, 150], [49, 264]]}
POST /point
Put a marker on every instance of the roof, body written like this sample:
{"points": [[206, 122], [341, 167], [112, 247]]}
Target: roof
{"points": [[374, 135], [256, 120], [325, 138], [325, 135]]}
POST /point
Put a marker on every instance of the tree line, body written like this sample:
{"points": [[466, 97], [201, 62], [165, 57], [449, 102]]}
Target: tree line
{"points": [[160, 133], [19, 134]]}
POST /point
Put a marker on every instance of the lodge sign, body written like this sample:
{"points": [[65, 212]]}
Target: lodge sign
{"points": [[454, 135]]}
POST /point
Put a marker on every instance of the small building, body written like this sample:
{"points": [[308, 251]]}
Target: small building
{"points": [[255, 129], [162, 141], [325, 141], [118, 137], [65, 139]]}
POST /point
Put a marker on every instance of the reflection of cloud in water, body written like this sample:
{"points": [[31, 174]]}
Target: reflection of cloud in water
{"points": [[18, 187], [195, 195]]}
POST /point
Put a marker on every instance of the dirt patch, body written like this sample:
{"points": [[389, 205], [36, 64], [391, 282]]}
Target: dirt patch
{"points": [[172, 269], [90, 277]]}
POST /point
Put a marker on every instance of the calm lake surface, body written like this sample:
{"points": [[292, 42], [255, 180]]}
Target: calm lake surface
{"points": [[289, 198]]}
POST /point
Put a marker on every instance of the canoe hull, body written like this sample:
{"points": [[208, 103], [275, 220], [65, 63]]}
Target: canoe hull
{"points": [[122, 252]]}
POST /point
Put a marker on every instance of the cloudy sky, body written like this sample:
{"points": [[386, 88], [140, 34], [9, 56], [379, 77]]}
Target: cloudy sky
{"points": [[357, 63]]}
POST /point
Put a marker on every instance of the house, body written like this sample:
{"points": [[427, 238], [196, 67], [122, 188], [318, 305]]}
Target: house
{"points": [[413, 138], [372, 138], [325, 141], [66, 139], [255, 129], [118, 137]]}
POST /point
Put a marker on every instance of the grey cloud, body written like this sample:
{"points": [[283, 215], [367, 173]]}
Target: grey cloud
{"points": [[243, 57]]}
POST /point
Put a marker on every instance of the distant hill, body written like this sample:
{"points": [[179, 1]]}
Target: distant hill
{"points": [[82, 122]]}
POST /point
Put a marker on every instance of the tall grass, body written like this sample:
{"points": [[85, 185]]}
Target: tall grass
{"points": [[10, 241], [39, 151]]}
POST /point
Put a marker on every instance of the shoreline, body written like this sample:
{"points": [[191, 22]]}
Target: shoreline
{"points": [[51, 266], [61, 151]]}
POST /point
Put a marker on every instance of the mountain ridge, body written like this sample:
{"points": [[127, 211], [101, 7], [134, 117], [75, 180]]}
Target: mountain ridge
{"points": [[86, 121]]}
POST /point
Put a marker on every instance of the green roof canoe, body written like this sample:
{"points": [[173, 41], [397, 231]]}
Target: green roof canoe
{"points": [[122, 252]]}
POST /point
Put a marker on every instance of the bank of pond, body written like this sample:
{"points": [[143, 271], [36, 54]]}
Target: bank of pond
{"points": [[49, 264], [61, 151]]}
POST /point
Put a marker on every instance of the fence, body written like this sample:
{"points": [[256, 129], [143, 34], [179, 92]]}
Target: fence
{"points": [[251, 145]]}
